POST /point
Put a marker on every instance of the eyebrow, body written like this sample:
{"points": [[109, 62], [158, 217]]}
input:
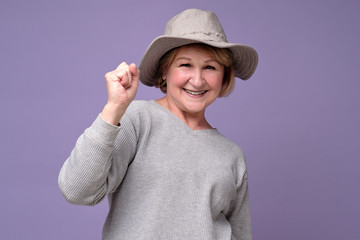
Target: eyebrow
{"points": [[182, 58], [189, 59]]}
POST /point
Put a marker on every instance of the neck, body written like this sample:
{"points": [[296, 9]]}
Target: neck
{"points": [[195, 121]]}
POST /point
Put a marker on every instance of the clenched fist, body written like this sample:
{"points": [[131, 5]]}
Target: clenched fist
{"points": [[122, 85]]}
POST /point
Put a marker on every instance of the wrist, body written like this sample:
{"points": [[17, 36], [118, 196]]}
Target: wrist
{"points": [[112, 114]]}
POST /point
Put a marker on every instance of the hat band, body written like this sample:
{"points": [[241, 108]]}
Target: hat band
{"points": [[205, 36]]}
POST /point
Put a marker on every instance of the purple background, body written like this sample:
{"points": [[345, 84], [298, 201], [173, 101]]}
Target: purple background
{"points": [[297, 119]]}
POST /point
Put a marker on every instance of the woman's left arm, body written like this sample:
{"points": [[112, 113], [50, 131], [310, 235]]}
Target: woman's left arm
{"points": [[239, 217]]}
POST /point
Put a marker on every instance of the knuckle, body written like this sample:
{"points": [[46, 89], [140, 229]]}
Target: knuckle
{"points": [[110, 76], [106, 75]]}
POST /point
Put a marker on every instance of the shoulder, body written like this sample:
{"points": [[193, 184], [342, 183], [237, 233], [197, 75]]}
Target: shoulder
{"points": [[135, 112], [231, 150], [141, 113], [228, 145], [145, 110], [236, 153], [138, 107], [142, 106]]}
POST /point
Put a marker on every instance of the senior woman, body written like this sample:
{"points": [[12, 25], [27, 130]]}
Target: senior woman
{"points": [[167, 172]]}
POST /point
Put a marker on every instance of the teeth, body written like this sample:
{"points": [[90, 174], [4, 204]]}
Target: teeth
{"points": [[194, 93]]}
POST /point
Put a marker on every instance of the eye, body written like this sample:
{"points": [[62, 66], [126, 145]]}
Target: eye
{"points": [[185, 65], [210, 67]]}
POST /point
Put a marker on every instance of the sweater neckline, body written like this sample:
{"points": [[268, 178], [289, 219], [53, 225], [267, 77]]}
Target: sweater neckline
{"points": [[177, 119]]}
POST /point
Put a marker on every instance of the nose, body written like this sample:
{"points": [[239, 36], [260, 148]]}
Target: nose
{"points": [[196, 78]]}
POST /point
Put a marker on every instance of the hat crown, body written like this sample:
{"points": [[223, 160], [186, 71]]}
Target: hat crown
{"points": [[196, 24]]}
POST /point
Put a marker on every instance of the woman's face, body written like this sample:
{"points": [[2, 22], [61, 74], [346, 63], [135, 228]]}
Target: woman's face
{"points": [[194, 80]]}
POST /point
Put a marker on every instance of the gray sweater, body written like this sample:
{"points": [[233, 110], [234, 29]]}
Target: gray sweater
{"points": [[163, 179]]}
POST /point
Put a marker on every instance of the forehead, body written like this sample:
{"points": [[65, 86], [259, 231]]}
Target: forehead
{"points": [[194, 51]]}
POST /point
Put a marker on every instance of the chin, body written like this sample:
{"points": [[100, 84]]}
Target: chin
{"points": [[195, 108]]}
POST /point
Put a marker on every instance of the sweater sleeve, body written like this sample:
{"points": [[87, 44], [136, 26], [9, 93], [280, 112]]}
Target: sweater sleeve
{"points": [[239, 217], [84, 177]]}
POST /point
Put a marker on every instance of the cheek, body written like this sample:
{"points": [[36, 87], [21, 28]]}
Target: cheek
{"points": [[176, 78], [215, 81]]}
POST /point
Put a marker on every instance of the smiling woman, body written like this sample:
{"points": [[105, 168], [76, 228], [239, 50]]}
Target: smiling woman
{"points": [[221, 55], [168, 174], [194, 80]]}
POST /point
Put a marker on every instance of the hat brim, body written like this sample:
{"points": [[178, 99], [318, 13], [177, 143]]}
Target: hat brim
{"points": [[245, 58]]}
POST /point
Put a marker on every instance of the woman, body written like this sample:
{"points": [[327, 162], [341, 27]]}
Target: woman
{"points": [[167, 172]]}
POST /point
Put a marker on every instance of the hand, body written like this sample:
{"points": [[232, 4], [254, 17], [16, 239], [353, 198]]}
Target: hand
{"points": [[122, 85]]}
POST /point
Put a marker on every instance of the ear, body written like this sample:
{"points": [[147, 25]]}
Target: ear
{"points": [[164, 75]]}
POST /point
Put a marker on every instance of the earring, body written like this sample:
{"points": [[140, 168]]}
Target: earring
{"points": [[163, 83], [163, 86]]}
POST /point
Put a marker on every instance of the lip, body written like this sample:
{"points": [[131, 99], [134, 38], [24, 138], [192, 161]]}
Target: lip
{"points": [[195, 93]]}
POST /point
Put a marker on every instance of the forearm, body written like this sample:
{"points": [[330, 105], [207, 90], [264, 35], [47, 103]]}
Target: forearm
{"points": [[83, 177]]}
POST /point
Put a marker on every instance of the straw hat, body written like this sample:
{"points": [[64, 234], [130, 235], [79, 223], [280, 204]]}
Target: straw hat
{"points": [[195, 26]]}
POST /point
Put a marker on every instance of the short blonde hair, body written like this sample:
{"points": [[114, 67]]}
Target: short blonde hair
{"points": [[222, 55]]}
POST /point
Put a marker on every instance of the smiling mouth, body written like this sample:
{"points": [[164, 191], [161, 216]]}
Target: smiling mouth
{"points": [[195, 93]]}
